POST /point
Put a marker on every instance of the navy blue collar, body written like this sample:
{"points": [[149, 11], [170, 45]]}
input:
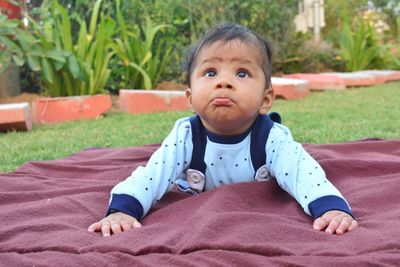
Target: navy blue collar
{"points": [[227, 139]]}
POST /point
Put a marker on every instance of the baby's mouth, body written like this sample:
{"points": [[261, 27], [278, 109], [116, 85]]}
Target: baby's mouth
{"points": [[222, 101]]}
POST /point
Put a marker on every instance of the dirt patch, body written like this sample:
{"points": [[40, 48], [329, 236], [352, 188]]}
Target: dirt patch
{"points": [[24, 97], [115, 103]]}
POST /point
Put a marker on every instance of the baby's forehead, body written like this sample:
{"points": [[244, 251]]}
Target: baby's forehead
{"points": [[235, 51], [233, 43]]}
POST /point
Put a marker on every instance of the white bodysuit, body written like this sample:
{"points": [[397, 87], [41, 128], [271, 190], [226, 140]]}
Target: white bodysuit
{"points": [[228, 160]]}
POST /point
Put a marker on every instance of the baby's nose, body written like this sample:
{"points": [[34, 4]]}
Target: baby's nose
{"points": [[223, 83]]}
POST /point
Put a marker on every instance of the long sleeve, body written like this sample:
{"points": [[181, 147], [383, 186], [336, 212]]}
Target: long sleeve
{"points": [[300, 175], [148, 184]]}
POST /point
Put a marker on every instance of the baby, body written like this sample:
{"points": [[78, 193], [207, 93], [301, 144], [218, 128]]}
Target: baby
{"points": [[229, 140]]}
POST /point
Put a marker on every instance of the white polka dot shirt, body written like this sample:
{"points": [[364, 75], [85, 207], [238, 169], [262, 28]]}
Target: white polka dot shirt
{"points": [[287, 162]]}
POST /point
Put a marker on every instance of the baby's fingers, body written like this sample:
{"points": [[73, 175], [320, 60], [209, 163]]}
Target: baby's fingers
{"points": [[333, 225], [344, 225], [127, 225], [95, 227], [105, 229], [320, 223], [136, 224], [116, 228], [353, 225]]}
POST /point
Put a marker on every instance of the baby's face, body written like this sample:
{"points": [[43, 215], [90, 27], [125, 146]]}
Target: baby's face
{"points": [[228, 87]]}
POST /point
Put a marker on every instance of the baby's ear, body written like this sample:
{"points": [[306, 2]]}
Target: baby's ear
{"points": [[188, 93], [268, 101]]}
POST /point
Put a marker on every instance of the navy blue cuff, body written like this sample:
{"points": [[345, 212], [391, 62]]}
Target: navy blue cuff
{"points": [[323, 204], [126, 204]]}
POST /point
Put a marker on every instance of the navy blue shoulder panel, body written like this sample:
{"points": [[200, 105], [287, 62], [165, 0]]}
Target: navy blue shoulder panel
{"points": [[199, 140], [259, 135], [275, 117]]}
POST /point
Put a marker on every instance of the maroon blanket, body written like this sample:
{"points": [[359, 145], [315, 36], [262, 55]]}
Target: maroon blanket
{"points": [[46, 207]]}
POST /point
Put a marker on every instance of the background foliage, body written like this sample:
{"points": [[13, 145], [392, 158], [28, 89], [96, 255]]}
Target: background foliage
{"points": [[73, 64], [152, 36]]}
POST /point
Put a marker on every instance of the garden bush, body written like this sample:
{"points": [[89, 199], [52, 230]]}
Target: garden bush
{"points": [[188, 20], [142, 58], [349, 23], [69, 64], [151, 37]]}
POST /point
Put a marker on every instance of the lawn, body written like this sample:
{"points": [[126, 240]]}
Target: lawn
{"points": [[323, 117]]}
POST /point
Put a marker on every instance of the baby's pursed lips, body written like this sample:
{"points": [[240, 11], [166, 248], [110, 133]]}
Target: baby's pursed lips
{"points": [[222, 101]]}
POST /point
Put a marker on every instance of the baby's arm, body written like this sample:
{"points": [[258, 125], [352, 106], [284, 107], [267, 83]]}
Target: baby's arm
{"points": [[302, 177], [148, 184], [115, 223], [132, 198]]}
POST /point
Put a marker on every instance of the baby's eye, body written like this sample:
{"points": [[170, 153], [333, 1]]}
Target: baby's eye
{"points": [[210, 73], [242, 74]]}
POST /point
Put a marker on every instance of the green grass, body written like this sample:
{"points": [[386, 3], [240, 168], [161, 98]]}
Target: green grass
{"points": [[323, 117]]}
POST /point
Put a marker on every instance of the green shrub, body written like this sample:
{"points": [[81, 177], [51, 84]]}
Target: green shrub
{"points": [[334, 17], [381, 50], [391, 51], [359, 48], [188, 20], [148, 51], [69, 65], [304, 55], [81, 66], [142, 58], [11, 36]]}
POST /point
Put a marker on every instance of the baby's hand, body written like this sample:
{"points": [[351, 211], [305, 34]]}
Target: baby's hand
{"points": [[115, 223], [335, 221]]}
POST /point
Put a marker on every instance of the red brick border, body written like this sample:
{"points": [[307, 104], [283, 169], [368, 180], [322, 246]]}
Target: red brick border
{"points": [[61, 109], [15, 117], [147, 101]]}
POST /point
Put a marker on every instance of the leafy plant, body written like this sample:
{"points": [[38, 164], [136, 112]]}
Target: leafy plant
{"points": [[393, 50], [359, 49], [191, 18], [398, 28], [10, 35], [85, 70], [390, 51], [136, 49], [67, 67]]}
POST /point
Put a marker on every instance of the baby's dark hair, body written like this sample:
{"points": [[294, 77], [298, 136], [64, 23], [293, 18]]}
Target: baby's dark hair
{"points": [[228, 32]]}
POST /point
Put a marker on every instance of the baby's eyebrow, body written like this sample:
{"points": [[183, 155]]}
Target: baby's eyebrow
{"points": [[242, 60], [211, 60]]}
